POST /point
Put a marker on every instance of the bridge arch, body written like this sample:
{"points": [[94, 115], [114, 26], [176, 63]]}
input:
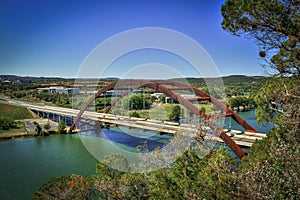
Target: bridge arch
{"points": [[159, 86]]}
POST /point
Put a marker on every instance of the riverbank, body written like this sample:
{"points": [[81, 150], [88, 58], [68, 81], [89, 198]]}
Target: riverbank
{"points": [[28, 130], [14, 135]]}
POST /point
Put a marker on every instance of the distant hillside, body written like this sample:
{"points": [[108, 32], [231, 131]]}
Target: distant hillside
{"points": [[241, 80], [51, 79], [35, 79], [229, 81]]}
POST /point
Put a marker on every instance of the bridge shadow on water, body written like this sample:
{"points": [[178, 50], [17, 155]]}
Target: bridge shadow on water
{"points": [[131, 138]]}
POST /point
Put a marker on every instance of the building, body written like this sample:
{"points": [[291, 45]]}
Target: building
{"points": [[156, 95], [6, 82], [111, 93], [60, 90]]}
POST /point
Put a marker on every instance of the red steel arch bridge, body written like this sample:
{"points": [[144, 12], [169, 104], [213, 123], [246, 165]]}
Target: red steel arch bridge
{"points": [[168, 88]]}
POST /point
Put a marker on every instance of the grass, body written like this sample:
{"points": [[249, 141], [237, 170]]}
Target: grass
{"points": [[164, 110], [19, 131], [14, 112]]}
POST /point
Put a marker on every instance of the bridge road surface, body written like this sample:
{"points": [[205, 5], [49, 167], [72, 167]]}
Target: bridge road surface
{"points": [[244, 139]]}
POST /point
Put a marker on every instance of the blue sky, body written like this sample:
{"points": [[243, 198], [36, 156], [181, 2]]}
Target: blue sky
{"points": [[52, 38]]}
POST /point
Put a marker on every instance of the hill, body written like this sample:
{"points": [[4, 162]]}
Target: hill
{"points": [[14, 112], [229, 81]]}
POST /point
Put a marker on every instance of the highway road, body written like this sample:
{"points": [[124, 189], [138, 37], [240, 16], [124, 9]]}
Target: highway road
{"points": [[241, 138]]}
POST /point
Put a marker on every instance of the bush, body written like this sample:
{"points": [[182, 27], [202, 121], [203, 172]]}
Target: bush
{"points": [[6, 123], [194, 178], [175, 114], [190, 177], [47, 127], [61, 127], [135, 114], [65, 187], [271, 170]]}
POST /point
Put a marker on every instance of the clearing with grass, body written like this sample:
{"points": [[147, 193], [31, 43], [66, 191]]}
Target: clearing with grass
{"points": [[14, 112]]}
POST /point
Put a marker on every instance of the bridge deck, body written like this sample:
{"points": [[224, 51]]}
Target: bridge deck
{"points": [[241, 138]]}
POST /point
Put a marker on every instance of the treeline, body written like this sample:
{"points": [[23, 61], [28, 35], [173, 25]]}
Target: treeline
{"points": [[241, 103], [132, 102], [228, 81], [58, 99], [36, 80]]}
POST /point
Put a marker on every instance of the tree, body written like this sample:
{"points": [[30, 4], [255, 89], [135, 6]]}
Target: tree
{"points": [[189, 177], [136, 101], [61, 127], [279, 96], [6, 123], [234, 103], [135, 114], [175, 114], [192, 177], [107, 179], [271, 169], [47, 127], [65, 187], [38, 129], [274, 25]]}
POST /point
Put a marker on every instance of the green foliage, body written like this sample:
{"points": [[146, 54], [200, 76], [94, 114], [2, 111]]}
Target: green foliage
{"points": [[241, 101], [203, 109], [38, 129], [139, 101], [65, 187], [47, 126], [144, 114], [271, 170], [112, 166], [14, 112], [175, 114], [278, 96], [61, 127], [55, 98], [236, 83], [195, 178], [108, 175], [132, 102], [273, 24], [189, 178], [101, 103], [6, 123], [135, 114], [29, 93]]}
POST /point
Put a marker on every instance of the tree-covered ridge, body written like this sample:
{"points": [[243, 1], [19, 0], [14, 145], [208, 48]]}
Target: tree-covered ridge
{"points": [[228, 81]]}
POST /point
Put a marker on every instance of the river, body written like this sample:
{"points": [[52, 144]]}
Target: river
{"points": [[27, 163]]}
